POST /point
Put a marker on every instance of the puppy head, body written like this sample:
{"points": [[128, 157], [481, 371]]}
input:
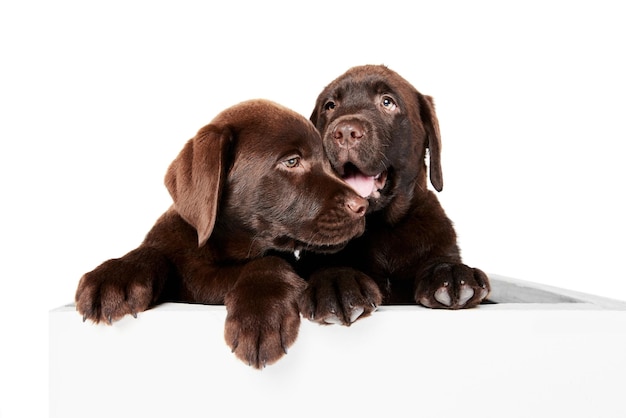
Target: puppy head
{"points": [[258, 173], [376, 128]]}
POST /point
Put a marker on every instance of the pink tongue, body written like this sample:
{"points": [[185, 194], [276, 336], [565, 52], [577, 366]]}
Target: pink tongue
{"points": [[363, 185]]}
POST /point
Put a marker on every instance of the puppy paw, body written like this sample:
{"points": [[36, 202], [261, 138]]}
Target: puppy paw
{"points": [[261, 338], [453, 286], [114, 289], [263, 319], [339, 296]]}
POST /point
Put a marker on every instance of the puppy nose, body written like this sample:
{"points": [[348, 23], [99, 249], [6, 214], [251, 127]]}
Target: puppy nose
{"points": [[348, 133], [357, 206]]}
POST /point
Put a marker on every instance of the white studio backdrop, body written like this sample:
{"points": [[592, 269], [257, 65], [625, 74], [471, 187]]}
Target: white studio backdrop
{"points": [[97, 98]]}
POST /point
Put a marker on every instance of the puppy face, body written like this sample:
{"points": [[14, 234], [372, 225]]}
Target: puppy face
{"points": [[259, 171], [376, 128]]}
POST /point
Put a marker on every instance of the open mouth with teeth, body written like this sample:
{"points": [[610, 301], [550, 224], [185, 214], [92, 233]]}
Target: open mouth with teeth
{"points": [[366, 186]]}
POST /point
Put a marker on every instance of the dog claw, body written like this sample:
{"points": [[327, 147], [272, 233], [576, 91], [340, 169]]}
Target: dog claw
{"points": [[355, 314], [442, 296], [332, 320], [134, 314], [110, 320], [84, 317], [465, 295]]}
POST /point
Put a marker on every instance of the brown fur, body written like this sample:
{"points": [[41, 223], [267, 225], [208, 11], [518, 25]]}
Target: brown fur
{"points": [[252, 184], [374, 122]]}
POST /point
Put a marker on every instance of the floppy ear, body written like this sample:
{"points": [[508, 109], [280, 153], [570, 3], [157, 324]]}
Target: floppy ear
{"points": [[431, 124], [314, 115], [195, 177]]}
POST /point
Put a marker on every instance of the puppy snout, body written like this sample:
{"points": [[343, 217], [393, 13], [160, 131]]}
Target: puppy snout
{"points": [[348, 133], [357, 206]]}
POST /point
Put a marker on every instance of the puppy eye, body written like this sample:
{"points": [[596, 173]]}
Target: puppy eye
{"points": [[388, 103], [330, 105], [292, 162]]}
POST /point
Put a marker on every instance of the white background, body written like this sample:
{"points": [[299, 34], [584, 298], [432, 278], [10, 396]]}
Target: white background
{"points": [[96, 99]]}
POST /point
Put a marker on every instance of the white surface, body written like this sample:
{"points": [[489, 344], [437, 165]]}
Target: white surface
{"points": [[96, 99], [524, 359]]}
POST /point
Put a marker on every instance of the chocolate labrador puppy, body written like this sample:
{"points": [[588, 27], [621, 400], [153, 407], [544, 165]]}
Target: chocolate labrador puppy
{"points": [[253, 182], [377, 128]]}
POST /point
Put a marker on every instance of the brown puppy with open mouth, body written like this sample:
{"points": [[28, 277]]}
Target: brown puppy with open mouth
{"points": [[378, 131], [250, 187]]}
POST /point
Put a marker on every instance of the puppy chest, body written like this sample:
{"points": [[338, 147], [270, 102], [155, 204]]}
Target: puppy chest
{"points": [[388, 255]]}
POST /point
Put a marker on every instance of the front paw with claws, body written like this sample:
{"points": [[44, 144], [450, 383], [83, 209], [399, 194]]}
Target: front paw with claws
{"points": [[115, 289], [339, 296], [261, 340], [263, 319], [453, 286]]}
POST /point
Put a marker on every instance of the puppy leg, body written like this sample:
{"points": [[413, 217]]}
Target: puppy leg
{"points": [[122, 286], [452, 286], [339, 296], [263, 319]]}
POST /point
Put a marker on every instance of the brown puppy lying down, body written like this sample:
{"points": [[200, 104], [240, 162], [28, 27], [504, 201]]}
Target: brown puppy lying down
{"points": [[253, 181], [376, 129]]}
